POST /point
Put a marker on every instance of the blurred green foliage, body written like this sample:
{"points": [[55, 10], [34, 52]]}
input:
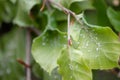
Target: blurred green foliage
{"points": [[26, 13]]}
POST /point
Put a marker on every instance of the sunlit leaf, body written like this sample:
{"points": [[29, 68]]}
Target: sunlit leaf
{"points": [[47, 48], [72, 65], [99, 45]]}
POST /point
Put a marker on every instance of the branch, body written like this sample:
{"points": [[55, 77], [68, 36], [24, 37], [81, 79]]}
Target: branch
{"points": [[43, 5], [36, 31], [45, 2], [48, 5], [23, 63], [28, 51], [67, 11]]}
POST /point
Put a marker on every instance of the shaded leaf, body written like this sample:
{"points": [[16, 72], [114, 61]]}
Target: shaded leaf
{"points": [[23, 12], [66, 3], [59, 15], [12, 47], [80, 6], [51, 24], [114, 18], [101, 8], [7, 10], [88, 15]]}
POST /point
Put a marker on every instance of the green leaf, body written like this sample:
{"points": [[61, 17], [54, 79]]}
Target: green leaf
{"points": [[53, 76], [93, 47], [67, 3], [47, 48], [51, 24], [72, 65], [88, 15], [23, 12], [99, 45], [48, 21], [59, 15], [114, 18], [80, 6], [101, 9]]}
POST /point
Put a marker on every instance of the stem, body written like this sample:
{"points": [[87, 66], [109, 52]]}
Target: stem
{"points": [[68, 28], [23, 63], [36, 31], [28, 51], [48, 5], [43, 5]]}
